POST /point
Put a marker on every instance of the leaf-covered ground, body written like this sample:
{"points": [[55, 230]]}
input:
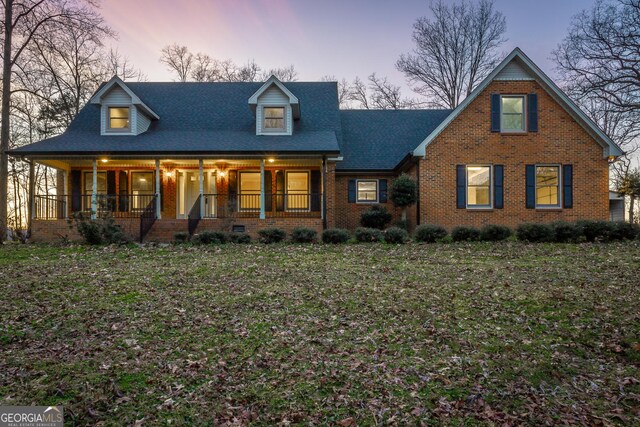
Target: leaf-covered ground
{"points": [[456, 334]]}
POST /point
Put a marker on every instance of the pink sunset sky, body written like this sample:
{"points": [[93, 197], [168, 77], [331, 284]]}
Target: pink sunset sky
{"points": [[345, 38]]}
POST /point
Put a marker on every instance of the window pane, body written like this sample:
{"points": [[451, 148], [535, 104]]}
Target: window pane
{"points": [[249, 190], [118, 117], [478, 175], [274, 113], [512, 104], [274, 123], [547, 195], [547, 185], [478, 196], [512, 122], [142, 182], [367, 191], [297, 190], [547, 175], [102, 183]]}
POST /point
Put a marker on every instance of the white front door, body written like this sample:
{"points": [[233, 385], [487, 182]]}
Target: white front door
{"points": [[188, 190]]}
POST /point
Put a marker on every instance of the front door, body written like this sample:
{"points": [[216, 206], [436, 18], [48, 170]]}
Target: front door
{"points": [[189, 190]]}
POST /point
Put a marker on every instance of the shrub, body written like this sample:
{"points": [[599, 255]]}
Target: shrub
{"points": [[565, 232], [209, 238], [335, 235], [303, 235], [535, 233], [402, 223], [429, 233], [271, 235], [403, 191], [239, 238], [395, 235], [181, 237], [596, 230], [375, 217], [495, 233], [368, 235], [624, 231], [98, 231], [465, 234]]}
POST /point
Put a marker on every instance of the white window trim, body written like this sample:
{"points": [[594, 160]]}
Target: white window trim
{"points": [[270, 131], [535, 187], [524, 114], [466, 187], [90, 192], [368, 202], [120, 131], [286, 186], [239, 191]]}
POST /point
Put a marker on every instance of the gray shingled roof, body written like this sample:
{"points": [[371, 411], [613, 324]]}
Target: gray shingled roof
{"points": [[204, 118], [380, 139]]}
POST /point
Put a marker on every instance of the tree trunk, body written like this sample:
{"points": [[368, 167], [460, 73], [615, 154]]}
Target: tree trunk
{"points": [[5, 119]]}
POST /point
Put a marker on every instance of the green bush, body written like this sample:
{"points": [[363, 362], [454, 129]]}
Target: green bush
{"points": [[624, 231], [402, 223], [368, 235], [181, 237], [271, 235], [210, 238], [596, 230], [396, 235], [98, 231], [535, 232], [566, 232], [495, 233], [303, 235], [429, 233], [375, 217], [403, 191], [335, 235], [465, 234], [239, 238]]}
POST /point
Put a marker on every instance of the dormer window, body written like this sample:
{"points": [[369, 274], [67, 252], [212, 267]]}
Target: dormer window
{"points": [[274, 119], [119, 119]]}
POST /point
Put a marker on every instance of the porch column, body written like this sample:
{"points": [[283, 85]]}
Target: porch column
{"points": [[32, 191], [158, 201], [201, 172], [324, 193], [94, 190], [262, 198], [65, 189]]}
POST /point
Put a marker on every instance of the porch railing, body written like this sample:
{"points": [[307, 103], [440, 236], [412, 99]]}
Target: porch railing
{"points": [[116, 205], [50, 207], [147, 218], [247, 205]]}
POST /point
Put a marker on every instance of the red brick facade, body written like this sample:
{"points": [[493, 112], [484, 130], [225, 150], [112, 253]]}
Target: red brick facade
{"points": [[468, 140]]}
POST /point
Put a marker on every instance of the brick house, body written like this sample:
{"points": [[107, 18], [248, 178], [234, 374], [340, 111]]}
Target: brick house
{"points": [[168, 157]]}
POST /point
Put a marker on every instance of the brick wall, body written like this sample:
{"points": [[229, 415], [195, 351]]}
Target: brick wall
{"points": [[468, 140]]}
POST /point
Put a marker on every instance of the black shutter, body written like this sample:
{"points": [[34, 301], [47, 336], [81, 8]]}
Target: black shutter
{"points": [[495, 112], [531, 186], [352, 191], [316, 184], [382, 191], [533, 112], [76, 190], [461, 187], [498, 186], [567, 186], [280, 191], [268, 192], [111, 190], [123, 200], [233, 190]]}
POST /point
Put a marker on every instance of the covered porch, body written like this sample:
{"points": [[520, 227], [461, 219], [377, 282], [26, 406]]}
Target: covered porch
{"points": [[185, 191]]}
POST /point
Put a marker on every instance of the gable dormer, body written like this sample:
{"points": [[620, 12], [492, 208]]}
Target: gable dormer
{"points": [[275, 108], [122, 112]]}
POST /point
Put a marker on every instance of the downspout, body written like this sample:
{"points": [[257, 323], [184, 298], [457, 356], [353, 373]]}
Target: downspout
{"points": [[417, 192], [32, 196], [324, 192]]}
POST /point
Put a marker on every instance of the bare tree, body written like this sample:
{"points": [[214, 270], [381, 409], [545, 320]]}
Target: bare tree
{"points": [[285, 74], [119, 65], [454, 51], [599, 65], [179, 60], [378, 94], [22, 22], [343, 90]]}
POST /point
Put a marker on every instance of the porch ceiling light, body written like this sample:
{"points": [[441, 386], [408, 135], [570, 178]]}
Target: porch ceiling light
{"points": [[104, 160], [271, 160]]}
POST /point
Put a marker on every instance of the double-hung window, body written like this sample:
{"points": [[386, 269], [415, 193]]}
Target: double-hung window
{"points": [[367, 191], [512, 117], [118, 120], [273, 119], [479, 186], [547, 186], [142, 184], [249, 191]]}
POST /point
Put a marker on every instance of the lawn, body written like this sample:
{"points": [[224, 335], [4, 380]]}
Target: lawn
{"points": [[454, 334]]}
